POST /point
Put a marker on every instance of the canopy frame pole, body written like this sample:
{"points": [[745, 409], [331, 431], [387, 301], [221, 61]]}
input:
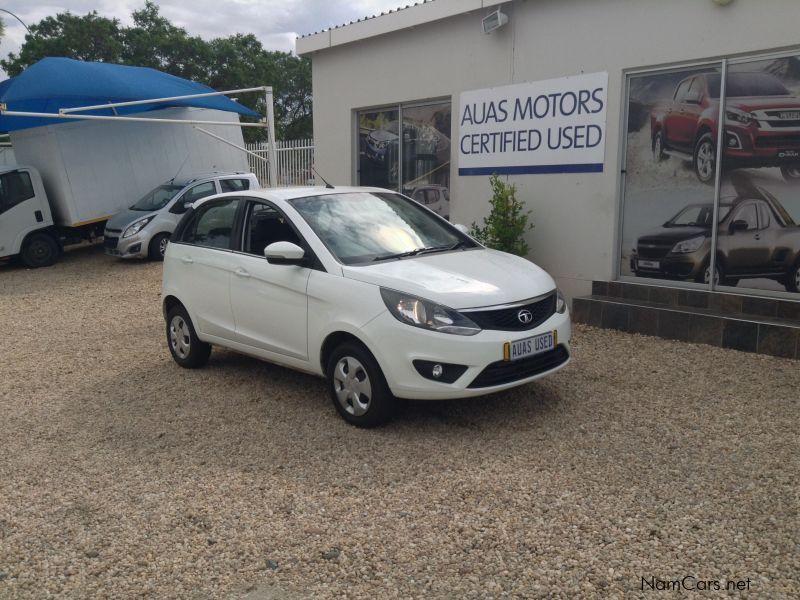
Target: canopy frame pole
{"points": [[237, 146], [263, 88], [273, 150], [15, 113]]}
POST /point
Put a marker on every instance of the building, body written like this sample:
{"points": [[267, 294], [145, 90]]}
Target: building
{"points": [[603, 113]]}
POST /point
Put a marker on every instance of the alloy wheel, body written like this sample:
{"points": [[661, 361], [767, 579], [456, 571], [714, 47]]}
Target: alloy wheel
{"points": [[352, 386], [707, 276], [179, 337], [705, 160], [657, 149], [162, 246]]}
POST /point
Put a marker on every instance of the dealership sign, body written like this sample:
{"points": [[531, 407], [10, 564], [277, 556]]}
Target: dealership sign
{"points": [[553, 126]]}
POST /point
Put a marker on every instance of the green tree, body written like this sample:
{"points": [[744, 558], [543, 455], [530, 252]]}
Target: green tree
{"points": [[233, 62], [507, 222]]}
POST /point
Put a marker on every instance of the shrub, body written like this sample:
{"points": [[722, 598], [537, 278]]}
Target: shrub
{"points": [[507, 222]]}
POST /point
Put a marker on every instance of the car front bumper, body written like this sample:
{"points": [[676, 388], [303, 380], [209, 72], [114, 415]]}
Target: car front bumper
{"points": [[135, 246], [396, 346]]}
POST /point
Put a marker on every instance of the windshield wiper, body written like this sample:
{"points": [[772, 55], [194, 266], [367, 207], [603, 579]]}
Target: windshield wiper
{"points": [[399, 254], [418, 251]]}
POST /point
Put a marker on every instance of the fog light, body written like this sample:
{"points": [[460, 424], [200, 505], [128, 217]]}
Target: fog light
{"points": [[135, 249], [441, 372], [437, 371]]}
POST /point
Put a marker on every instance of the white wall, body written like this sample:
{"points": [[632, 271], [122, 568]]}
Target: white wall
{"points": [[94, 169], [575, 214]]}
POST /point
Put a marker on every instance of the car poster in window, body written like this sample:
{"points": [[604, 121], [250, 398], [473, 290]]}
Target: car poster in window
{"points": [[378, 149]]}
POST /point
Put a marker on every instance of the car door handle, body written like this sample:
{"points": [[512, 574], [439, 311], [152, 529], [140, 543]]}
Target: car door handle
{"points": [[757, 236], [187, 259], [241, 273]]}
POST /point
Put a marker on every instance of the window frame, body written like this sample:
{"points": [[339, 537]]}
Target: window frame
{"points": [[5, 208], [194, 214]]}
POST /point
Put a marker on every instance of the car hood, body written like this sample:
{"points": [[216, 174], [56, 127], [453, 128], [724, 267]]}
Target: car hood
{"points": [[125, 218], [460, 279], [381, 135], [751, 103], [663, 235]]}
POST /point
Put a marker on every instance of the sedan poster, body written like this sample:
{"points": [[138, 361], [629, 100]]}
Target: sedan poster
{"points": [[552, 126]]}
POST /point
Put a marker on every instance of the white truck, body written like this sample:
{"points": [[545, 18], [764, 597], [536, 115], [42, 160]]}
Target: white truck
{"points": [[79, 174]]}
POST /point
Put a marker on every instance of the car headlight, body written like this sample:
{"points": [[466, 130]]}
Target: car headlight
{"points": [[561, 303], [739, 116], [137, 227], [417, 312], [690, 245]]}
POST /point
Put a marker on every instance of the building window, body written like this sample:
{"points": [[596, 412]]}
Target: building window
{"points": [[407, 148]]}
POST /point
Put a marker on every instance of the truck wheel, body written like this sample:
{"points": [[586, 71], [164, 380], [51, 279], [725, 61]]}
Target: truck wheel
{"points": [[158, 246], [791, 172], [186, 348], [792, 281], [358, 388], [658, 147], [39, 250], [705, 159]]}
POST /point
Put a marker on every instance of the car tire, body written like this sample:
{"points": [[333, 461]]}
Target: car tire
{"points": [[719, 276], [39, 250], [791, 173], [186, 348], [792, 281], [357, 386], [704, 159], [158, 246], [658, 147]]}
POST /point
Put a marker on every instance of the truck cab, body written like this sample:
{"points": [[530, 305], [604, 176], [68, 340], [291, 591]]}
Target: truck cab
{"points": [[26, 223]]}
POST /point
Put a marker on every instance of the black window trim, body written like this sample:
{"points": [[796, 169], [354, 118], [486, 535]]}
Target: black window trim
{"points": [[18, 202], [189, 216]]}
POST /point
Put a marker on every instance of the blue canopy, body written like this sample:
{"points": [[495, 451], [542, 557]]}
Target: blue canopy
{"points": [[54, 83]]}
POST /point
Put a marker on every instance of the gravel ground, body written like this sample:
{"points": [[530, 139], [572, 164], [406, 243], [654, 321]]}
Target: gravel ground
{"points": [[122, 475]]}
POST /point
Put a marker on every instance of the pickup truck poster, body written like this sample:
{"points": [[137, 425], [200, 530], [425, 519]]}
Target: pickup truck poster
{"points": [[671, 168], [552, 126]]}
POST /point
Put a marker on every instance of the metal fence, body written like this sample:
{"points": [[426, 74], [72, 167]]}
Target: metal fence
{"points": [[294, 159]]}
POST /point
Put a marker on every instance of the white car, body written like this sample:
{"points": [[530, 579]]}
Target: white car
{"points": [[365, 287], [143, 230]]}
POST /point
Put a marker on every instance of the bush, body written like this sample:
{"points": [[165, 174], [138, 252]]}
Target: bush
{"points": [[507, 222]]}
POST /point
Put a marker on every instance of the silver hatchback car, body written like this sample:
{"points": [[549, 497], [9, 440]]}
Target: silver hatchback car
{"points": [[143, 230]]}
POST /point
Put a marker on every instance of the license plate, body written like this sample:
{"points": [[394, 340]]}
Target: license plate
{"points": [[788, 154], [649, 264], [530, 346], [790, 116]]}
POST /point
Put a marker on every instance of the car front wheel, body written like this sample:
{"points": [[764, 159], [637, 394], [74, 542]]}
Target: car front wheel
{"points": [[705, 159], [791, 172], [39, 250], [792, 281], [357, 386], [186, 348], [158, 246], [658, 147]]}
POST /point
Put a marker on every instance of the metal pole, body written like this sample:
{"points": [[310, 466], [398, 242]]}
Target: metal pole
{"points": [[712, 264], [273, 157], [224, 141], [14, 113], [74, 109]]}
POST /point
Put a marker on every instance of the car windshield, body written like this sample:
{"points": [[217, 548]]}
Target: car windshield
{"points": [[363, 227], [157, 198], [698, 215], [740, 85]]}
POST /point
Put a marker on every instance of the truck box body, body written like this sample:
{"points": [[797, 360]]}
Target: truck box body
{"points": [[94, 169]]}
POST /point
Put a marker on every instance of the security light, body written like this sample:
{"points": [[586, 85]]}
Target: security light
{"points": [[494, 21]]}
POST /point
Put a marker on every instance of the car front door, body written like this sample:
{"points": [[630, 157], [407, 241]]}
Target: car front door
{"points": [[748, 250], [686, 115], [200, 263], [270, 304]]}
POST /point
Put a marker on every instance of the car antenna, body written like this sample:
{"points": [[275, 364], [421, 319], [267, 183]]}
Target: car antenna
{"points": [[183, 164], [327, 185]]}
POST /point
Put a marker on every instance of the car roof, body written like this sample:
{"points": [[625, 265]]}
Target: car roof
{"points": [[292, 193], [187, 179]]}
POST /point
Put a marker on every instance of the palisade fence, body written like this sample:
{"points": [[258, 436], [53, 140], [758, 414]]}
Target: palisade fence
{"points": [[295, 160]]}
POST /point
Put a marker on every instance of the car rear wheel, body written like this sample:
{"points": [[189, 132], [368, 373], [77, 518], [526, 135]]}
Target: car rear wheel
{"points": [[705, 159], [186, 348], [791, 172], [792, 281], [357, 386], [158, 246], [39, 250], [658, 147]]}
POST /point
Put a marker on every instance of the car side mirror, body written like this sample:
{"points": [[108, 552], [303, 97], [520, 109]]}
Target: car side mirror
{"points": [[284, 253], [692, 98], [462, 228], [739, 225]]}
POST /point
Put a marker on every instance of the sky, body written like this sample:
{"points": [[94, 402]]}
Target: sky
{"points": [[275, 22]]}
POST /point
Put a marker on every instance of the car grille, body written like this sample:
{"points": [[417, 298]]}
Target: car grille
{"points": [[653, 250], [777, 118], [778, 141], [110, 242], [506, 319], [501, 372]]}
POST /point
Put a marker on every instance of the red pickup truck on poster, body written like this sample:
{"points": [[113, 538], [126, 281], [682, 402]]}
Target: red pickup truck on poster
{"points": [[762, 124]]}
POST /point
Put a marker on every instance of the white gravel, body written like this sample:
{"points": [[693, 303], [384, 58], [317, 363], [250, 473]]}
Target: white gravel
{"points": [[122, 475]]}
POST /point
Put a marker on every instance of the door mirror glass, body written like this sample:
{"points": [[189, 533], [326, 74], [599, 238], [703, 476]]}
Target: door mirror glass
{"points": [[284, 253], [740, 225], [692, 97]]}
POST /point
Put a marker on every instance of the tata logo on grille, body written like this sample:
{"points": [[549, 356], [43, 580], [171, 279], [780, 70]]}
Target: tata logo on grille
{"points": [[525, 316]]}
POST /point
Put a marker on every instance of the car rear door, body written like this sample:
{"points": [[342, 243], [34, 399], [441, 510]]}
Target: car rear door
{"points": [[270, 305], [199, 264]]}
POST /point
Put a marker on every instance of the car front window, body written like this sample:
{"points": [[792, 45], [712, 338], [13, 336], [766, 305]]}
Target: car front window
{"points": [[698, 216], [363, 227], [157, 198]]}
